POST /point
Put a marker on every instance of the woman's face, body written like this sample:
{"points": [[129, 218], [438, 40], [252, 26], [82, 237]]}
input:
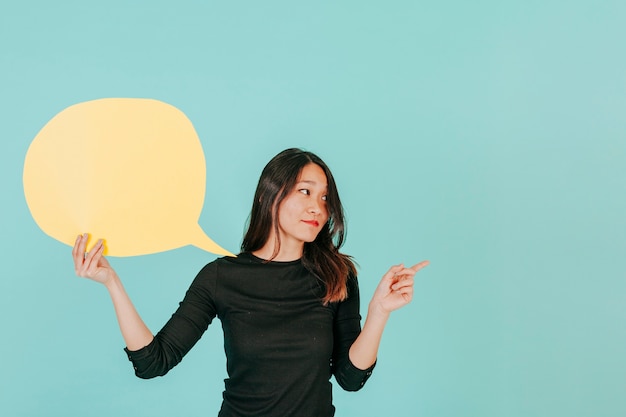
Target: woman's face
{"points": [[303, 213]]}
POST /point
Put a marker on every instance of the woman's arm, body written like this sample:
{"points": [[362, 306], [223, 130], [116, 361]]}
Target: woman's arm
{"points": [[95, 267], [394, 291]]}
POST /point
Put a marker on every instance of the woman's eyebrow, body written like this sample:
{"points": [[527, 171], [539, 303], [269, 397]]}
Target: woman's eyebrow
{"points": [[311, 182]]}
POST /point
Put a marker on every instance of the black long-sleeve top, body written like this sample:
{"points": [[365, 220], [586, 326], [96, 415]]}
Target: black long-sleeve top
{"points": [[282, 343]]}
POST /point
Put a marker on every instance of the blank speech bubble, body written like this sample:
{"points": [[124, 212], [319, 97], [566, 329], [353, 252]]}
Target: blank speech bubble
{"points": [[129, 170]]}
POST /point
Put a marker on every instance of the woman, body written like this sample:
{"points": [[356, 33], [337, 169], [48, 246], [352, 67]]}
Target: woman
{"points": [[288, 303]]}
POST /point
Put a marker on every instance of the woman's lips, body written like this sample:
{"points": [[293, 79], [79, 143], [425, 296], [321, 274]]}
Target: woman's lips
{"points": [[312, 222]]}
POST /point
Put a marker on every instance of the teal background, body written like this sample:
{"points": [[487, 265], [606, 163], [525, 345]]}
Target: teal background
{"points": [[488, 137]]}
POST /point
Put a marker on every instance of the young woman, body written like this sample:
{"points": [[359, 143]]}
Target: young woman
{"points": [[288, 303]]}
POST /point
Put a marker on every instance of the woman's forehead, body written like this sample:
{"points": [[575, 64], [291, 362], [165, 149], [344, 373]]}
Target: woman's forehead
{"points": [[313, 174]]}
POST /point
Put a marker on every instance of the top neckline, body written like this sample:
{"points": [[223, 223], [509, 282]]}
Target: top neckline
{"points": [[256, 259]]}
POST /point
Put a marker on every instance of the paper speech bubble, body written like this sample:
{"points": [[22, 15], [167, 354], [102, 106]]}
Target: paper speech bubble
{"points": [[129, 170]]}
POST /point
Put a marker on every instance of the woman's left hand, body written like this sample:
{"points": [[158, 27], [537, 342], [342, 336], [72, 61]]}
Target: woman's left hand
{"points": [[395, 289]]}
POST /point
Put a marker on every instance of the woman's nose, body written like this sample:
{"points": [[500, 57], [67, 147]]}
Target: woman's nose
{"points": [[315, 208]]}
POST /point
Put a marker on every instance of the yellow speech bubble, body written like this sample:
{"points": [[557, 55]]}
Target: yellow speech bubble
{"points": [[128, 170]]}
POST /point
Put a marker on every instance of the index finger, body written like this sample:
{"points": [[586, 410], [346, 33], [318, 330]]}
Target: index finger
{"points": [[420, 265], [79, 247]]}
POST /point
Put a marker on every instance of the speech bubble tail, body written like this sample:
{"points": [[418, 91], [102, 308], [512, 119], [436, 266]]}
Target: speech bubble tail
{"points": [[202, 241]]}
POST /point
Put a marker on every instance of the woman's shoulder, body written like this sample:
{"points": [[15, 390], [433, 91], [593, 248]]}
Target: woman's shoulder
{"points": [[214, 271], [242, 261], [241, 258]]}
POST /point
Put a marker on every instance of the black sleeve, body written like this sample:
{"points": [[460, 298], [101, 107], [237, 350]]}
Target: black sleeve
{"points": [[346, 329], [182, 331]]}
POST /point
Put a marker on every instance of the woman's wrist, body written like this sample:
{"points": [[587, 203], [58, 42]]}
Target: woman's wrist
{"points": [[377, 313], [113, 283]]}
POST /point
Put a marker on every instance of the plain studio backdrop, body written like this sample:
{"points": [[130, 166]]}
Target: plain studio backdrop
{"points": [[488, 137]]}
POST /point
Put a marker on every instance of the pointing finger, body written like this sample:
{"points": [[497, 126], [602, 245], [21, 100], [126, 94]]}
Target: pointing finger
{"points": [[419, 266]]}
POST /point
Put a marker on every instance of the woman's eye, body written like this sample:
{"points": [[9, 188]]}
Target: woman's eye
{"points": [[324, 197], [304, 191]]}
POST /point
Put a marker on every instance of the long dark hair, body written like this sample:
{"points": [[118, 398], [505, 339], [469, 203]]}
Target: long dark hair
{"points": [[322, 256]]}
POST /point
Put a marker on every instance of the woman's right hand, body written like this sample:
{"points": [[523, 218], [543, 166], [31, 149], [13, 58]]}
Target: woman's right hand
{"points": [[92, 265]]}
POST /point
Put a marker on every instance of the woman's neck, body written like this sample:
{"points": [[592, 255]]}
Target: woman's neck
{"points": [[287, 252]]}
